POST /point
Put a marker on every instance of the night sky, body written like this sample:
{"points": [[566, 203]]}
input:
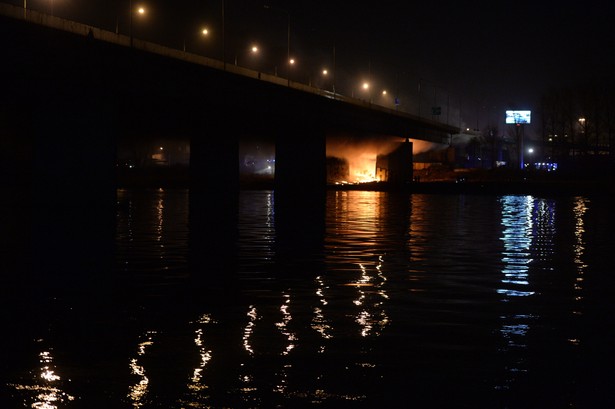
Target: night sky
{"points": [[481, 57]]}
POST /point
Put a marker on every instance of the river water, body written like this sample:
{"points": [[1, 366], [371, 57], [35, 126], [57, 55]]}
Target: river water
{"points": [[393, 301]]}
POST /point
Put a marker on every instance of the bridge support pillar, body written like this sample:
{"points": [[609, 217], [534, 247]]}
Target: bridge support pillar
{"points": [[300, 193], [300, 159], [401, 168], [62, 198], [214, 194]]}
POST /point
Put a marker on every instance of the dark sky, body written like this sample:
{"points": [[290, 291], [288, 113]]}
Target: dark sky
{"points": [[494, 54], [477, 57]]}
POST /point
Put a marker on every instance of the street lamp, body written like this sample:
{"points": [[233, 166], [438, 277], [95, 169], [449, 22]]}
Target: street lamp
{"points": [[288, 59], [384, 98], [530, 151], [204, 32], [253, 50], [366, 87], [140, 10]]}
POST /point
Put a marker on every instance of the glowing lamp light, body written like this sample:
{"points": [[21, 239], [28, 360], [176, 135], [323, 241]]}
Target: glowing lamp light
{"points": [[141, 10], [205, 31], [291, 61], [365, 85]]}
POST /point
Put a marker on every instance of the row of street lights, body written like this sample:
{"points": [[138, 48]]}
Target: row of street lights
{"points": [[140, 10], [290, 61]]}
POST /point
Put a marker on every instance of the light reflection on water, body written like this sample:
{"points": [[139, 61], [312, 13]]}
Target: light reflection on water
{"points": [[46, 389], [440, 300]]}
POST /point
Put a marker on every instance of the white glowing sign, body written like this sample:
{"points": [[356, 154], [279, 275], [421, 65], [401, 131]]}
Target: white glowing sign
{"points": [[518, 117]]}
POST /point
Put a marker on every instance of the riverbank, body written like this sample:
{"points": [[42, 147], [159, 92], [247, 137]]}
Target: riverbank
{"points": [[499, 181], [470, 182], [527, 187]]}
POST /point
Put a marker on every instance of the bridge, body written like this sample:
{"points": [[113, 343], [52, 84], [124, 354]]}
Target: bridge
{"points": [[71, 93], [74, 91]]}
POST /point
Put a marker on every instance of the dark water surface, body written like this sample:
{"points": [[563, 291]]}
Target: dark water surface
{"points": [[396, 301]]}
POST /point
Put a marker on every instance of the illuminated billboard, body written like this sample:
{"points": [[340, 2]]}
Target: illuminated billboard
{"points": [[518, 117]]}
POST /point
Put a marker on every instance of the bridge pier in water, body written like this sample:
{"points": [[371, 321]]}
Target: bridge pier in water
{"points": [[300, 152], [214, 194], [61, 187], [300, 192]]}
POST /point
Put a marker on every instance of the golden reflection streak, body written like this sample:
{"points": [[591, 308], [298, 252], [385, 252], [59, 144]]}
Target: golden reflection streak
{"points": [[357, 223], [138, 391], [291, 337], [375, 316], [579, 209], [249, 329], [204, 354], [248, 379], [160, 216], [319, 323], [47, 395], [283, 325]]}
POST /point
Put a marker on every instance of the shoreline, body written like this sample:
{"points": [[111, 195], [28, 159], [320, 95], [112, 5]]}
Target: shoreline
{"points": [[542, 186], [537, 188]]}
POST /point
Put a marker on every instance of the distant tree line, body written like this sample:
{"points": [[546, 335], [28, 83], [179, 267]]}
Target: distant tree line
{"points": [[578, 124], [577, 131]]}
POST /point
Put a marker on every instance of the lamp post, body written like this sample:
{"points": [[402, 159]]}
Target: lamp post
{"points": [[368, 90], [288, 60], [223, 40], [530, 153], [325, 74], [141, 10], [334, 71], [204, 32], [130, 22], [519, 132], [253, 51], [580, 144]]}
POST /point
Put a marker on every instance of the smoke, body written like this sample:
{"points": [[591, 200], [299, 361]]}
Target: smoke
{"points": [[347, 148], [419, 146], [342, 147]]}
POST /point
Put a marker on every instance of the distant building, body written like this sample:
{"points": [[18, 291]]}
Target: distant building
{"points": [[396, 167], [338, 170]]}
